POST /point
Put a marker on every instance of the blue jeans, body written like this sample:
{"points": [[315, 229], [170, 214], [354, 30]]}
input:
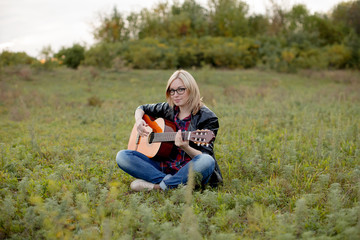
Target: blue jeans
{"points": [[140, 166]]}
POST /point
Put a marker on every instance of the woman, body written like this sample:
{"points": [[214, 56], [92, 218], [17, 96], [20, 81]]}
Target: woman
{"points": [[184, 107]]}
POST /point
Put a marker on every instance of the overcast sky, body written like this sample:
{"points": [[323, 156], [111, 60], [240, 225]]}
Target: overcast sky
{"points": [[29, 25]]}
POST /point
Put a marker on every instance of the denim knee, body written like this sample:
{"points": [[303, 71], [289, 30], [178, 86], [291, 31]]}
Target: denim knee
{"points": [[204, 162], [122, 158]]}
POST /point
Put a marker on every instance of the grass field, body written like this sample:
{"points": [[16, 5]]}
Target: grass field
{"points": [[288, 148]]}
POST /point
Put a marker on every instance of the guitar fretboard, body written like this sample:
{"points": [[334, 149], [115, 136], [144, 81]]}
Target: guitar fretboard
{"points": [[169, 136]]}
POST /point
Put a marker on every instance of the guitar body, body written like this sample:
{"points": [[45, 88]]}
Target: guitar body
{"points": [[143, 145]]}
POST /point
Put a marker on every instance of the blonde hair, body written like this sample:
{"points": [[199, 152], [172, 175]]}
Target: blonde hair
{"points": [[195, 100]]}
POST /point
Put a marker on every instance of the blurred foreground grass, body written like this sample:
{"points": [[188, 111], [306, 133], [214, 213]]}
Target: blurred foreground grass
{"points": [[288, 148]]}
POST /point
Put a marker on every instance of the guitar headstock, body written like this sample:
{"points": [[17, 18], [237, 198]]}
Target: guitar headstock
{"points": [[202, 137]]}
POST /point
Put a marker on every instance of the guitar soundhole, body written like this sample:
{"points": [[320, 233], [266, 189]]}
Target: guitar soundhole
{"points": [[151, 137]]}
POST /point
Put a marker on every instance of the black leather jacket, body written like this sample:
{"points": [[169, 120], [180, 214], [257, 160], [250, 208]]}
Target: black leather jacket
{"points": [[204, 119]]}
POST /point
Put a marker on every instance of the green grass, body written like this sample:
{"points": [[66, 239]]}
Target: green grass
{"points": [[288, 148]]}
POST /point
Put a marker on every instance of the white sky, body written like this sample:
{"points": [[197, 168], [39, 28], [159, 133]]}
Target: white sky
{"points": [[29, 25]]}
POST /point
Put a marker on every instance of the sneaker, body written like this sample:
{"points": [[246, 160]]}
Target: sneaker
{"points": [[139, 185]]}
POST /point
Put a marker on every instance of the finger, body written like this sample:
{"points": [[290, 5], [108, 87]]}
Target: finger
{"points": [[142, 131], [178, 135], [142, 123], [144, 134]]}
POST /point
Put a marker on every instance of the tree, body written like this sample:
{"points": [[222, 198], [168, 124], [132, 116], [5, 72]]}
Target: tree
{"points": [[194, 18], [258, 25], [297, 17], [228, 18], [324, 32], [347, 13], [154, 24], [112, 28], [133, 22]]}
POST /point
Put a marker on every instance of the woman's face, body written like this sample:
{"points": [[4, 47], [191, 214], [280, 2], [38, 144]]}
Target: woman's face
{"points": [[176, 87]]}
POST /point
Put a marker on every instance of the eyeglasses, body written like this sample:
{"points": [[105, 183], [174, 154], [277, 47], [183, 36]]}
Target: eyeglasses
{"points": [[179, 91]]}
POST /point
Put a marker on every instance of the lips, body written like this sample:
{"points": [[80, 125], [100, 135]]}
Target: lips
{"points": [[177, 100]]}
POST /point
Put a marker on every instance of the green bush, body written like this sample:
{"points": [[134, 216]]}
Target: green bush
{"points": [[338, 55], [230, 52], [283, 56], [150, 53], [270, 49], [8, 58], [72, 57], [188, 52], [275, 53], [313, 58], [103, 54]]}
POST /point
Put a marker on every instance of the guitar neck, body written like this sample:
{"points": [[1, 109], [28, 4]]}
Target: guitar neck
{"points": [[169, 136]]}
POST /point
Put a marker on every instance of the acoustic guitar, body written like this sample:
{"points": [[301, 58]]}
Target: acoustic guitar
{"points": [[161, 139]]}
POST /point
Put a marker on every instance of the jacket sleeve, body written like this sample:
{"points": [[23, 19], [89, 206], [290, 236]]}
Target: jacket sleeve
{"points": [[208, 121], [156, 110]]}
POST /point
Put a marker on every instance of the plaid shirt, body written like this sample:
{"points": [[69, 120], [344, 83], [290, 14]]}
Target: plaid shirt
{"points": [[178, 157]]}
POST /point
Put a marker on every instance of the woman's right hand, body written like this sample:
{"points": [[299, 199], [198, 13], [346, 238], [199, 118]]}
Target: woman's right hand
{"points": [[141, 128]]}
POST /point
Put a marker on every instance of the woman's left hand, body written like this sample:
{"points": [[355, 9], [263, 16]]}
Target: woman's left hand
{"points": [[179, 142]]}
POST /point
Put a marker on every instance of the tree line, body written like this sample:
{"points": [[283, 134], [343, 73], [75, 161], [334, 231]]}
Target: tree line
{"points": [[223, 34]]}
